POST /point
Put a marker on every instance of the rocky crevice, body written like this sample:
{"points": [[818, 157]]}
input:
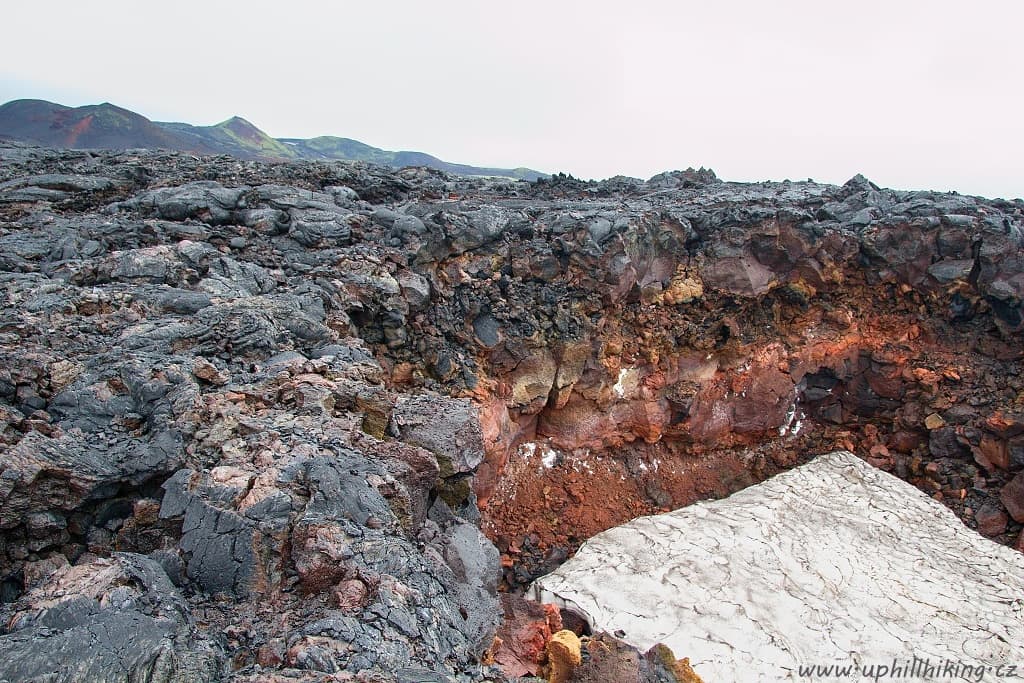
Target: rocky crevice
{"points": [[302, 391], [635, 349]]}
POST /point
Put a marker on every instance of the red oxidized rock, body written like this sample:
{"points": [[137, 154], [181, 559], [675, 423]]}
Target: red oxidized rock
{"points": [[319, 552], [992, 453], [991, 520], [351, 595], [522, 636], [1012, 496]]}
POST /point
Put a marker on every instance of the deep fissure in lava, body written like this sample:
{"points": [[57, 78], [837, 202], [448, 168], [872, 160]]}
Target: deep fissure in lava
{"points": [[911, 394], [323, 380]]}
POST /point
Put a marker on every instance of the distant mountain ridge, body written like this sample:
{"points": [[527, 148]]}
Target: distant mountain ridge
{"points": [[107, 126]]}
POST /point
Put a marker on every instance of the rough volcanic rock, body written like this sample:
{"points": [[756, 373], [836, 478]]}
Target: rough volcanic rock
{"points": [[305, 389], [110, 425], [563, 656], [611, 659], [1012, 496], [158, 396], [833, 534], [520, 644], [449, 428], [54, 186], [114, 619], [991, 520]]}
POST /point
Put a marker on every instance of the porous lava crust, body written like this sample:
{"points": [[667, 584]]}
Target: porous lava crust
{"points": [[639, 346], [291, 396]]}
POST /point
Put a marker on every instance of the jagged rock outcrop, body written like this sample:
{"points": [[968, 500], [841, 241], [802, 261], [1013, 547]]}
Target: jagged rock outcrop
{"points": [[304, 390], [520, 646], [173, 388], [116, 619]]}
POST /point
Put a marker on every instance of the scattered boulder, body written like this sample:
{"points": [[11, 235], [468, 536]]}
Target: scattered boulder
{"points": [[991, 520], [1012, 496], [563, 656]]}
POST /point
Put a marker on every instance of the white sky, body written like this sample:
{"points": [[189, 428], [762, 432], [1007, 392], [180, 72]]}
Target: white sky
{"points": [[914, 94]]}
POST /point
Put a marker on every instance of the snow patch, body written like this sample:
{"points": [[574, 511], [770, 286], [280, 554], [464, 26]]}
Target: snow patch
{"points": [[794, 420], [549, 456], [620, 388], [627, 382], [815, 565]]}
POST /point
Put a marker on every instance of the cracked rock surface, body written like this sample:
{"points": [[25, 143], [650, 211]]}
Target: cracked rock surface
{"points": [[201, 477], [342, 406], [834, 561], [115, 619]]}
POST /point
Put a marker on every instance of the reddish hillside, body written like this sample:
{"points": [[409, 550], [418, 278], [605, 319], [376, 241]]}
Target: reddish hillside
{"points": [[101, 126]]}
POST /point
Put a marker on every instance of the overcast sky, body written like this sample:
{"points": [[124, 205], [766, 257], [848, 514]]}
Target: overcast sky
{"points": [[913, 94]]}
